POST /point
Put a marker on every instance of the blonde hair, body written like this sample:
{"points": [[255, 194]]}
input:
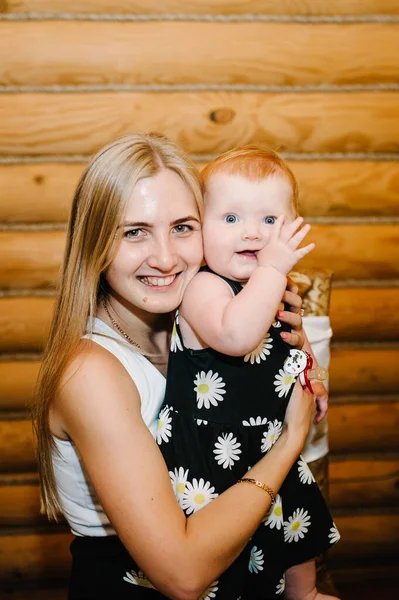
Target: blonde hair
{"points": [[97, 210], [252, 162]]}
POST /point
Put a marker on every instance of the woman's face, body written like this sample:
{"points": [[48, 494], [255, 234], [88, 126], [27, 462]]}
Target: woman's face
{"points": [[161, 247]]}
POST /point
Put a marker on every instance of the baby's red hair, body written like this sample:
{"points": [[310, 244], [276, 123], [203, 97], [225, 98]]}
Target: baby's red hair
{"points": [[252, 162]]}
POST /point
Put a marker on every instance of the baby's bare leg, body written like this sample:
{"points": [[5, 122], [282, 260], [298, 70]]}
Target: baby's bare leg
{"points": [[300, 583]]}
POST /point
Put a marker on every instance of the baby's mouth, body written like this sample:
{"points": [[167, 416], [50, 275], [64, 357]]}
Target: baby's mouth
{"points": [[248, 253], [158, 281]]}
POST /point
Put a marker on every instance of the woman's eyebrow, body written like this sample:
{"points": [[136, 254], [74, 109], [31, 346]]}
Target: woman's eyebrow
{"points": [[184, 219]]}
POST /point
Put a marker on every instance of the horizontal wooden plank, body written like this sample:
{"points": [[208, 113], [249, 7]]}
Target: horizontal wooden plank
{"points": [[17, 380], [201, 7], [31, 259], [33, 556], [353, 483], [25, 321], [174, 53], [366, 536], [364, 371], [364, 427], [357, 314], [204, 122], [16, 446], [43, 192], [364, 481], [358, 427]]}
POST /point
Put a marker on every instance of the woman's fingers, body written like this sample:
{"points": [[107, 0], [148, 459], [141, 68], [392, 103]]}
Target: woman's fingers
{"points": [[294, 338], [293, 319], [292, 298]]}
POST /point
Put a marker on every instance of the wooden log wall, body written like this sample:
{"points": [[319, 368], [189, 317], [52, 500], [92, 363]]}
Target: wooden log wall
{"points": [[317, 81]]}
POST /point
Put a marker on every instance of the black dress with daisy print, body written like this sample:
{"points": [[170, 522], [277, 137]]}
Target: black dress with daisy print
{"points": [[221, 415]]}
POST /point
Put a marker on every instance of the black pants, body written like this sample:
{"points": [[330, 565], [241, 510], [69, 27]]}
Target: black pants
{"points": [[103, 569]]}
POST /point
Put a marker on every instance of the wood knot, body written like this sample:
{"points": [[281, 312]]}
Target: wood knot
{"points": [[39, 179], [222, 116]]}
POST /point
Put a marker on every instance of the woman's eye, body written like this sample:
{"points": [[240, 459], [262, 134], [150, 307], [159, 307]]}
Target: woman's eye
{"points": [[183, 228], [270, 220], [230, 219], [133, 233]]}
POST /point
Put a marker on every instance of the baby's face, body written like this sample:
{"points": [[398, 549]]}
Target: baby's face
{"points": [[239, 214]]}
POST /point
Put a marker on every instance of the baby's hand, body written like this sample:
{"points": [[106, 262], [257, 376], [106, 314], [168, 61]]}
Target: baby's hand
{"points": [[321, 400], [282, 252]]}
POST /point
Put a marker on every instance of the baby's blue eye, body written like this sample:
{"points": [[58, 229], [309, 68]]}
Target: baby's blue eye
{"points": [[270, 220], [230, 219]]}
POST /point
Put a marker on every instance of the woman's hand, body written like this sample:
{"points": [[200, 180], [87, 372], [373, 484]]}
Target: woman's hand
{"points": [[300, 411], [292, 317]]}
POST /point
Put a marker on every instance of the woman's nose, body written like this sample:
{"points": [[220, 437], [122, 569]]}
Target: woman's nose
{"points": [[162, 256]]}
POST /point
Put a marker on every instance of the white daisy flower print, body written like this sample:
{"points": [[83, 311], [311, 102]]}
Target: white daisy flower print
{"points": [[210, 592], [197, 495], [209, 389], [276, 324], [274, 516], [175, 341], [261, 352], [280, 586], [138, 579], [296, 526], [256, 560], [334, 534], [255, 421], [202, 422], [178, 479], [283, 383], [305, 474], [227, 450], [164, 427], [271, 435]]}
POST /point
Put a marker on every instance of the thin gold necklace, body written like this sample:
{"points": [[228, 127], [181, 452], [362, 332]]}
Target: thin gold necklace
{"points": [[119, 328]]}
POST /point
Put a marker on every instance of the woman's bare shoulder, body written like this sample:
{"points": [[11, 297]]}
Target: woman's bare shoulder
{"points": [[93, 383]]}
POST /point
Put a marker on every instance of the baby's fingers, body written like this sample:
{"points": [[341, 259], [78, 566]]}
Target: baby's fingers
{"points": [[301, 252], [299, 237], [290, 229], [276, 227]]}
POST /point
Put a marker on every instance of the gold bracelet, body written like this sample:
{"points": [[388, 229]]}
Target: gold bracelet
{"points": [[261, 485]]}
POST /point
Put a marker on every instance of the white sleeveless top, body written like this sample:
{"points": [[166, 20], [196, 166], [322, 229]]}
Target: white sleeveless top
{"points": [[80, 505]]}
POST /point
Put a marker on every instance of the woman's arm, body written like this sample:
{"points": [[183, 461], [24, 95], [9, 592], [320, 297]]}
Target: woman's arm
{"points": [[100, 410], [235, 325]]}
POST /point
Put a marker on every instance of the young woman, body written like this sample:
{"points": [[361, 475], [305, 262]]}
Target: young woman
{"points": [[134, 243]]}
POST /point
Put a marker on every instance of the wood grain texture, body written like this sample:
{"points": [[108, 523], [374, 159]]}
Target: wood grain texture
{"points": [[364, 371], [17, 380], [358, 427], [365, 314], [28, 557], [356, 315], [367, 427], [358, 482], [289, 7], [364, 481], [79, 123], [16, 446], [43, 193], [366, 536], [25, 323], [174, 53], [31, 259]]}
